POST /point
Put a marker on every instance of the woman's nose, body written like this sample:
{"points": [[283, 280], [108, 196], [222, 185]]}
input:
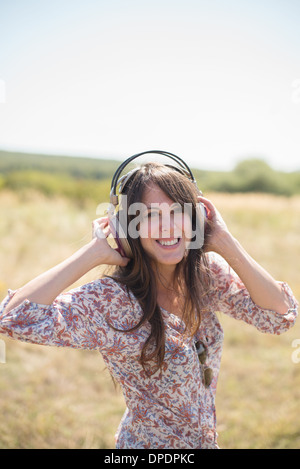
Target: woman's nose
{"points": [[166, 225]]}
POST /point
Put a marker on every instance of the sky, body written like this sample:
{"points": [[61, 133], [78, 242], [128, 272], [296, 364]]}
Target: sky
{"points": [[212, 81]]}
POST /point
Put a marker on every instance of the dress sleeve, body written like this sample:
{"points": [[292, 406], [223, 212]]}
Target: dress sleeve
{"points": [[231, 297], [75, 319]]}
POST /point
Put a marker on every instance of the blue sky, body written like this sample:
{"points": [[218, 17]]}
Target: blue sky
{"points": [[214, 82]]}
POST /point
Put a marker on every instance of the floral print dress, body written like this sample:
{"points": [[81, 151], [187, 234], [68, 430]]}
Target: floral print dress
{"points": [[171, 408]]}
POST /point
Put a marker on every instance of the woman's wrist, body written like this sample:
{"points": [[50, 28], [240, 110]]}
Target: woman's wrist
{"points": [[92, 255], [226, 245]]}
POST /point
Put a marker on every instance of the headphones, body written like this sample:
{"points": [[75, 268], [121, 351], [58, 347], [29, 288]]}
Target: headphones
{"points": [[118, 221]]}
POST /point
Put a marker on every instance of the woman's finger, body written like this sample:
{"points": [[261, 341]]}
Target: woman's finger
{"points": [[101, 228], [207, 202], [99, 233], [210, 208]]}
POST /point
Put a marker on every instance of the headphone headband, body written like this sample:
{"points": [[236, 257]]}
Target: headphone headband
{"points": [[115, 179]]}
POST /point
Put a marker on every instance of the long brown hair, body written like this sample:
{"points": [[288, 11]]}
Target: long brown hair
{"points": [[139, 276]]}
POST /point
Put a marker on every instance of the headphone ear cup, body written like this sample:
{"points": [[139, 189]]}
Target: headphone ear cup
{"points": [[119, 234]]}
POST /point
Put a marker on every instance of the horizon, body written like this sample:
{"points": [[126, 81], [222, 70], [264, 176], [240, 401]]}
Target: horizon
{"points": [[118, 159]]}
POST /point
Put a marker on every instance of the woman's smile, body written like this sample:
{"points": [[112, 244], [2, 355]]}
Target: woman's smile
{"points": [[169, 243]]}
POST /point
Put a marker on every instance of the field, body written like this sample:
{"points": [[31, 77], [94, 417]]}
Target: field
{"points": [[63, 398]]}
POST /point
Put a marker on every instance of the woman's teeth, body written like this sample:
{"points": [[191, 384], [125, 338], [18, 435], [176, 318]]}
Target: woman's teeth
{"points": [[168, 243]]}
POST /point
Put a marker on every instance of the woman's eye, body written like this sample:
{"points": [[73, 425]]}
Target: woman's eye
{"points": [[150, 214], [153, 214]]}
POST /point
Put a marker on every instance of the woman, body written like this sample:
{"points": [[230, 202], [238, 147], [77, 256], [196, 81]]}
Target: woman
{"points": [[154, 319]]}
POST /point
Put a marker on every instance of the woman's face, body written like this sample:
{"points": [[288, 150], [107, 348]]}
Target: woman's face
{"points": [[164, 227]]}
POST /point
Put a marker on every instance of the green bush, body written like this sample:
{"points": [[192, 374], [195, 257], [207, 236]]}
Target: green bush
{"points": [[251, 175], [54, 184]]}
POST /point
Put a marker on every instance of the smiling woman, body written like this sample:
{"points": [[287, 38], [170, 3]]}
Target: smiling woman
{"points": [[155, 320], [163, 263]]}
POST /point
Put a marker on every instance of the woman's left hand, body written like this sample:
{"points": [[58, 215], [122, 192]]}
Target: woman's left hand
{"points": [[217, 228]]}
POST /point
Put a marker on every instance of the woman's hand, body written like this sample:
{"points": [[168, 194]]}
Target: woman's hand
{"points": [[216, 230], [107, 254]]}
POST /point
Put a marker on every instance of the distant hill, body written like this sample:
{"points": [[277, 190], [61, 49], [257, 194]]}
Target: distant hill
{"points": [[81, 177], [77, 167]]}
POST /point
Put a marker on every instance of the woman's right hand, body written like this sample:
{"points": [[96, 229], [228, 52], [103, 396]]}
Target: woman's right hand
{"points": [[107, 254]]}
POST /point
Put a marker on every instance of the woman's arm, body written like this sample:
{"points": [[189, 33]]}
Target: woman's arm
{"points": [[264, 291], [47, 286]]}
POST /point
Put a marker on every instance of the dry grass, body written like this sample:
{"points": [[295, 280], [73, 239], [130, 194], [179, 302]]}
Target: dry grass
{"points": [[54, 398]]}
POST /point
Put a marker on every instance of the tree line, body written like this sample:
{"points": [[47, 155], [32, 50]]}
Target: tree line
{"points": [[89, 178]]}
